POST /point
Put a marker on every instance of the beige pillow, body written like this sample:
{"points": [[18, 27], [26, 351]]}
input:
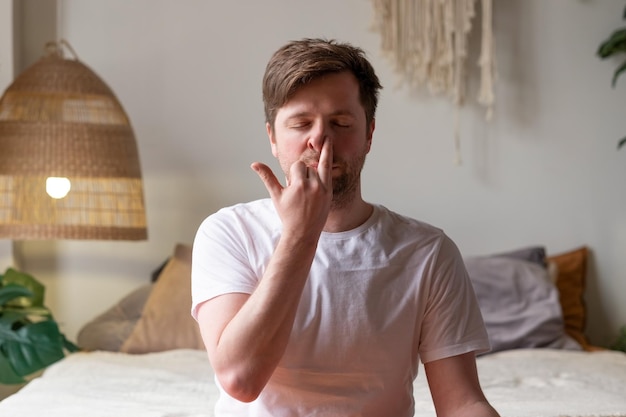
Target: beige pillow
{"points": [[166, 321], [109, 330]]}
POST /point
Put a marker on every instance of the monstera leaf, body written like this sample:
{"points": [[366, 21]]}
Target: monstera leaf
{"points": [[614, 45], [30, 339]]}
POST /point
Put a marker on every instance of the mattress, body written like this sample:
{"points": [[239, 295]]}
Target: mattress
{"points": [[180, 383]]}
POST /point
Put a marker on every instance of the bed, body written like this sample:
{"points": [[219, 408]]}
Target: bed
{"points": [[143, 357]]}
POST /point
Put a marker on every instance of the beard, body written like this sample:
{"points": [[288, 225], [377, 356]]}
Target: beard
{"points": [[347, 183]]}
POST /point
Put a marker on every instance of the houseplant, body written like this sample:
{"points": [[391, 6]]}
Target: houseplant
{"points": [[620, 343], [615, 45], [30, 338]]}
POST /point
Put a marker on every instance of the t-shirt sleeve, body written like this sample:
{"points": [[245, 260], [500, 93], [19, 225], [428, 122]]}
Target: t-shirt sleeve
{"points": [[220, 260], [452, 323]]}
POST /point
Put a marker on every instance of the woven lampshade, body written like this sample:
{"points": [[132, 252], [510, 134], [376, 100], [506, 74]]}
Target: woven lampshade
{"points": [[59, 119]]}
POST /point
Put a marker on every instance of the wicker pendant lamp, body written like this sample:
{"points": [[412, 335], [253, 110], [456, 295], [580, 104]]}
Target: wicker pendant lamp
{"points": [[61, 124]]}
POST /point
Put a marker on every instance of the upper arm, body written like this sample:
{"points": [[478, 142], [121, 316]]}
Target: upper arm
{"points": [[452, 322], [455, 387]]}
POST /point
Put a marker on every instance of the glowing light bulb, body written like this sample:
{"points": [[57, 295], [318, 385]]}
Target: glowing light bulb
{"points": [[57, 187]]}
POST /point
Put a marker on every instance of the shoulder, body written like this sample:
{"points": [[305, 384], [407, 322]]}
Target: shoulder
{"points": [[415, 241], [403, 227], [240, 224], [258, 211], [256, 208]]}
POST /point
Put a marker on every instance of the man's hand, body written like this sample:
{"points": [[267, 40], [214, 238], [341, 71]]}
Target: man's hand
{"points": [[246, 335], [303, 204]]}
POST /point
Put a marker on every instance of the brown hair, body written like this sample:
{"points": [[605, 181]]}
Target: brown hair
{"points": [[299, 62]]}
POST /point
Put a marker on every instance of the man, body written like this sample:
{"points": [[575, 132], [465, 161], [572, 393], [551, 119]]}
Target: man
{"points": [[316, 302]]}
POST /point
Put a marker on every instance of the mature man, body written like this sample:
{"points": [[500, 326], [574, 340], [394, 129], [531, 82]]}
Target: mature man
{"points": [[314, 301]]}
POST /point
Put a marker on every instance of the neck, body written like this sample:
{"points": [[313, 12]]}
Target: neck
{"points": [[348, 216]]}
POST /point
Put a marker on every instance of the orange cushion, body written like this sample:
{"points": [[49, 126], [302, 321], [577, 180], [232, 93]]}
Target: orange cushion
{"points": [[572, 271]]}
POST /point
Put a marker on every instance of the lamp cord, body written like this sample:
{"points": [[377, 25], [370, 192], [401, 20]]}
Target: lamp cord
{"points": [[56, 48]]}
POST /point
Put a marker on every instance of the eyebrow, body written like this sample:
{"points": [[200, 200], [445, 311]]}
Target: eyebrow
{"points": [[307, 113]]}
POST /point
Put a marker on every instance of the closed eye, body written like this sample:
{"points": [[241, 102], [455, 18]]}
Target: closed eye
{"points": [[343, 124], [299, 125]]}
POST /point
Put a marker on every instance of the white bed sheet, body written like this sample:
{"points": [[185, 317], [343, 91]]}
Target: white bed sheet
{"points": [[179, 383], [548, 383]]}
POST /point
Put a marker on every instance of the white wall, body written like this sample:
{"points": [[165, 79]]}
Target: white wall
{"points": [[6, 76], [544, 171]]}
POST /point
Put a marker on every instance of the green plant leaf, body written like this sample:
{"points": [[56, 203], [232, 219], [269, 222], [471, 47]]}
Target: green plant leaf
{"points": [[621, 143], [616, 43], [7, 374], [68, 345], [12, 276], [30, 339], [620, 343], [33, 347], [10, 321], [12, 291], [617, 73]]}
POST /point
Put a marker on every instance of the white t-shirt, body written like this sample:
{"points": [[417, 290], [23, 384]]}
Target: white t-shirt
{"points": [[377, 300]]}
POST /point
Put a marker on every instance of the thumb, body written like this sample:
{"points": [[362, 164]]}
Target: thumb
{"points": [[269, 179]]}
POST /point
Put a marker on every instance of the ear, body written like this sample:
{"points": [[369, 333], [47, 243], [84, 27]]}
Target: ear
{"points": [[272, 138], [370, 134]]}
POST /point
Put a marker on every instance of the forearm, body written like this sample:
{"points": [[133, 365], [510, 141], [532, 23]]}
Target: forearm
{"points": [[253, 342], [455, 387], [246, 346], [477, 409]]}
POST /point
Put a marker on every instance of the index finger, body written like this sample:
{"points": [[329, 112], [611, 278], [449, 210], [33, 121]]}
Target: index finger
{"points": [[269, 179], [325, 164]]}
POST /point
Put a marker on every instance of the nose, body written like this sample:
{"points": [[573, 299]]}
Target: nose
{"points": [[318, 135]]}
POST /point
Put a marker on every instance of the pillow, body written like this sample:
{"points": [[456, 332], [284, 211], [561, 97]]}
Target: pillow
{"points": [[166, 321], [519, 304], [535, 254], [109, 330], [571, 270]]}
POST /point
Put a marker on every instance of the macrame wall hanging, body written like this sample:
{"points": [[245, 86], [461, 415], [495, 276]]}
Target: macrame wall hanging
{"points": [[427, 40]]}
